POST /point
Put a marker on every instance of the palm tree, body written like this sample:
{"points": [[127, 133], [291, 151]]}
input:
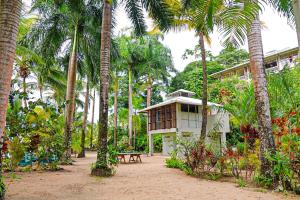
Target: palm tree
{"points": [[203, 16], [262, 103], [93, 118], [84, 121], [157, 10], [9, 21], [158, 65], [101, 165], [130, 106], [25, 59], [53, 31], [115, 83], [132, 54]]}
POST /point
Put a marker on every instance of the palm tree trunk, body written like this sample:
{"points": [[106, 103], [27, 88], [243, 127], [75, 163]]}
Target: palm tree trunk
{"points": [[149, 92], [261, 95], [204, 89], [70, 99], [93, 118], [85, 113], [41, 91], [130, 109], [116, 88], [134, 138], [101, 168], [9, 22], [149, 96], [296, 10], [25, 92]]}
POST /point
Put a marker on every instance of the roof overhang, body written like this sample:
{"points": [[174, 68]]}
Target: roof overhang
{"points": [[181, 100]]}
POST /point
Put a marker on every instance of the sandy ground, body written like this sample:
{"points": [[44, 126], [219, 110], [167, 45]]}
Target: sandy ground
{"points": [[150, 180]]}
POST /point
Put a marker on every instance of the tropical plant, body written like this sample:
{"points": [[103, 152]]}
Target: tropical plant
{"points": [[9, 14], [53, 31], [157, 10], [84, 121], [262, 105], [203, 17]]}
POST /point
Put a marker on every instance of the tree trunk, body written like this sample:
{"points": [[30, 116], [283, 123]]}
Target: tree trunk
{"points": [[93, 118], [116, 88], [84, 121], [134, 138], [9, 21], [149, 97], [70, 99], [41, 91], [101, 168], [261, 95], [204, 89], [130, 109], [25, 92], [149, 92], [296, 10]]}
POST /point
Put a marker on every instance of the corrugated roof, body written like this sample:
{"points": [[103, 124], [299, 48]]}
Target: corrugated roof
{"points": [[182, 100], [181, 90]]}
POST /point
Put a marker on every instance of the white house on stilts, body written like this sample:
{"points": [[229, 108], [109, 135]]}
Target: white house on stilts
{"points": [[180, 116]]}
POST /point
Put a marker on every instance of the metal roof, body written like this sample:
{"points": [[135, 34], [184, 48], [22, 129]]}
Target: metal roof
{"points": [[269, 56], [182, 100], [181, 90]]}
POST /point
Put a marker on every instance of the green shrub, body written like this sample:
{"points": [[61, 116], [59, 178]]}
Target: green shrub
{"points": [[241, 182], [177, 163], [213, 176], [174, 163], [16, 150], [263, 181], [240, 148], [281, 169]]}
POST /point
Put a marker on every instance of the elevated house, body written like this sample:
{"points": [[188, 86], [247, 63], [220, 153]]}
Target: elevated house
{"points": [[274, 62], [180, 116]]}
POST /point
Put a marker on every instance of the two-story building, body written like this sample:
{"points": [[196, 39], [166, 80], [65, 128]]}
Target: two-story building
{"points": [[274, 61], [180, 116]]}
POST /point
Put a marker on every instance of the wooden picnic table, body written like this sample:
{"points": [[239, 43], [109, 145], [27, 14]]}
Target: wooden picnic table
{"points": [[133, 157]]}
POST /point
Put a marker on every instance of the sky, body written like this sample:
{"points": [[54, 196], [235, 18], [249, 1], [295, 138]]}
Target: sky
{"points": [[276, 36]]}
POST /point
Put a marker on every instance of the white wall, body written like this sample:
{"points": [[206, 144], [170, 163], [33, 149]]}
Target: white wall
{"points": [[169, 143]]}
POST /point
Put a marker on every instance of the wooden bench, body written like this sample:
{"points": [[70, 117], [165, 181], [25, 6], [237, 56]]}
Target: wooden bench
{"points": [[133, 157]]}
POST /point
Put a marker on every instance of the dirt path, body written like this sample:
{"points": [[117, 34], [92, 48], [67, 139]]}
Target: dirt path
{"points": [[150, 180]]}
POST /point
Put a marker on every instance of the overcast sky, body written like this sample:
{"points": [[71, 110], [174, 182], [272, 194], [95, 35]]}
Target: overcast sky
{"points": [[278, 35]]}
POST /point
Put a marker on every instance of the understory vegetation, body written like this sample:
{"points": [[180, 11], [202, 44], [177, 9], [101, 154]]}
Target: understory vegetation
{"points": [[71, 81], [241, 157]]}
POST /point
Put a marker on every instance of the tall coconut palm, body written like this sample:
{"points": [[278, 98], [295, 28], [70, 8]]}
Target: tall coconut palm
{"points": [[157, 10], [93, 120], [53, 32], [158, 65], [84, 121], [262, 103], [130, 106], [203, 16], [101, 164], [70, 96], [9, 21], [132, 54], [115, 84]]}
